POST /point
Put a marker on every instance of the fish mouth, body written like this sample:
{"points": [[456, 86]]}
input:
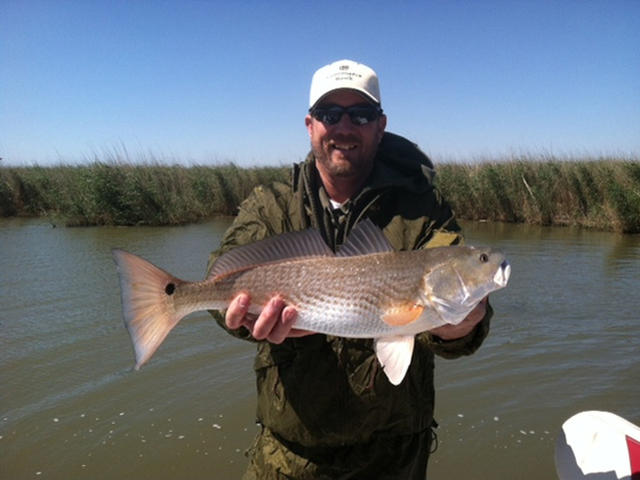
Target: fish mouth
{"points": [[502, 275]]}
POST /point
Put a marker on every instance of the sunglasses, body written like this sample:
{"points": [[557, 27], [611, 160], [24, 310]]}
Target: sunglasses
{"points": [[358, 114]]}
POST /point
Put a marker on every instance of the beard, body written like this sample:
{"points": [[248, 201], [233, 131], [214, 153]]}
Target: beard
{"points": [[344, 157]]}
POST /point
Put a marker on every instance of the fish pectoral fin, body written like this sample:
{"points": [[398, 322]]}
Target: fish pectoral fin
{"points": [[402, 314], [394, 354]]}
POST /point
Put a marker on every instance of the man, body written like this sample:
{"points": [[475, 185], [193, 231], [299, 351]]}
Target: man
{"points": [[326, 408]]}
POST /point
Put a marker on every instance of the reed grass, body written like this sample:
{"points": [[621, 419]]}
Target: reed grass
{"points": [[602, 194], [595, 193], [127, 194]]}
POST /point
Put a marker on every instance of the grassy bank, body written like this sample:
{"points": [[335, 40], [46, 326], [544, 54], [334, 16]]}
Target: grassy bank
{"points": [[125, 194], [602, 194]]}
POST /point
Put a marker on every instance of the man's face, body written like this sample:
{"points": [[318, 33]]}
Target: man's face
{"points": [[345, 149]]}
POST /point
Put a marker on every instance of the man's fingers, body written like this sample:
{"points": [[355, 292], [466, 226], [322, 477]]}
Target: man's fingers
{"points": [[268, 318], [273, 324], [237, 311], [282, 326]]}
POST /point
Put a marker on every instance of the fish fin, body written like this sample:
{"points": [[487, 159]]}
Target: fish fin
{"points": [[287, 246], [147, 304], [394, 354], [365, 238], [403, 314]]}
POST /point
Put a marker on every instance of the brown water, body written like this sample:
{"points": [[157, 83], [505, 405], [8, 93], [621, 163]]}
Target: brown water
{"points": [[565, 338]]}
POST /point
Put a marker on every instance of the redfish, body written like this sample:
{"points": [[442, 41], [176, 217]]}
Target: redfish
{"points": [[365, 290]]}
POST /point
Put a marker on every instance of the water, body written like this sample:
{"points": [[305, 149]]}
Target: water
{"points": [[565, 338]]}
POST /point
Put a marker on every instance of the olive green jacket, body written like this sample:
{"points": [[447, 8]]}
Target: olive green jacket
{"points": [[323, 391]]}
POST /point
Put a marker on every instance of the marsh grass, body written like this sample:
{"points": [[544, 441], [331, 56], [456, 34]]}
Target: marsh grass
{"points": [[602, 193], [127, 194]]}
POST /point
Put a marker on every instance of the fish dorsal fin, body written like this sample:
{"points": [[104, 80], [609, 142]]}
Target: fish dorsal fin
{"points": [[365, 238], [286, 246], [394, 354]]}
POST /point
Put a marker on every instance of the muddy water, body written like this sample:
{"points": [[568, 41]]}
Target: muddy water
{"points": [[565, 338]]}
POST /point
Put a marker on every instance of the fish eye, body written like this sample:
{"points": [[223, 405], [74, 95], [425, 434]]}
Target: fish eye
{"points": [[484, 258]]}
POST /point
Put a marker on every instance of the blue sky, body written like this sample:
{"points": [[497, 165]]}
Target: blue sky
{"points": [[215, 81]]}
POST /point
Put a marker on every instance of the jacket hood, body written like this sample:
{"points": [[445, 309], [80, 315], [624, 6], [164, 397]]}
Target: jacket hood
{"points": [[399, 162]]}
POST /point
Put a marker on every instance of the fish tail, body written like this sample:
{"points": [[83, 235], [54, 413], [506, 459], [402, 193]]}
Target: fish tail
{"points": [[147, 303]]}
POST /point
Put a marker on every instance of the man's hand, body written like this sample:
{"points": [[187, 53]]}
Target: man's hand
{"points": [[452, 332], [274, 323]]}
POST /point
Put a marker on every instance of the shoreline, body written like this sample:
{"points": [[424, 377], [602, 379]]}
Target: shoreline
{"points": [[601, 194]]}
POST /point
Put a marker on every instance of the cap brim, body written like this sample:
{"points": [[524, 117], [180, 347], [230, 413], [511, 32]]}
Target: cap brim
{"points": [[361, 92]]}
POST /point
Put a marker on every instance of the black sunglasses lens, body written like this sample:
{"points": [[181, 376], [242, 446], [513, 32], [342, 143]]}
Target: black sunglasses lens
{"points": [[362, 115], [332, 115], [322, 115], [359, 115]]}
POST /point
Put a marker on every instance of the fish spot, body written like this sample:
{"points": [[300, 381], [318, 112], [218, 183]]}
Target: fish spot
{"points": [[170, 288], [484, 258]]}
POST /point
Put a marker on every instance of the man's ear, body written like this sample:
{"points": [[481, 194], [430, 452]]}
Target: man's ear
{"points": [[382, 124], [308, 121]]}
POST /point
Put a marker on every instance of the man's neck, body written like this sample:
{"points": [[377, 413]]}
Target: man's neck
{"points": [[341, 189]]}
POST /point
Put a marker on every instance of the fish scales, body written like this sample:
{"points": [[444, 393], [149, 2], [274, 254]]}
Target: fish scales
{"points": [[337, 296]]}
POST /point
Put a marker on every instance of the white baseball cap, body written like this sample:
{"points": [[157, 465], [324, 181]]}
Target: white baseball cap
{"points": [[344, 74]]}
